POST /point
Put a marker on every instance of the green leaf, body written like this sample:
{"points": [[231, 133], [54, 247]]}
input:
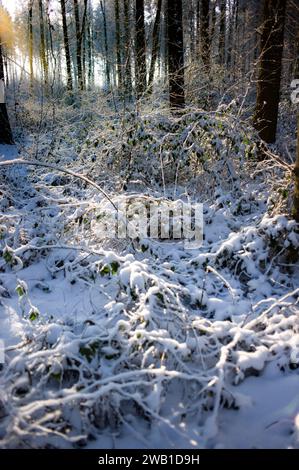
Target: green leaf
{"points": [[20, 291], [160, 296], [105, 270], [56, 376], [8, 255], [114, 267], [33, 314], [89, 351]]}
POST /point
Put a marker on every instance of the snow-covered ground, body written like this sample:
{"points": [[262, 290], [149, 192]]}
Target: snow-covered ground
{"points": [[113, 343]]}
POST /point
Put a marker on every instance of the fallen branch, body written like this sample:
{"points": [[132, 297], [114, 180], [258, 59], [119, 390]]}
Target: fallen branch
{"points": [[20, 161]]}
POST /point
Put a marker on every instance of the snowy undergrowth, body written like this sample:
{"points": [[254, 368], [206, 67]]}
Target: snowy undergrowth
{"points": [[133, 336]]}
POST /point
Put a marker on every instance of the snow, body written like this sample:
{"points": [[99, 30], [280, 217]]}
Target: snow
{"points": [[136, 343], [269, 419], [255, 360], [8, 152]]}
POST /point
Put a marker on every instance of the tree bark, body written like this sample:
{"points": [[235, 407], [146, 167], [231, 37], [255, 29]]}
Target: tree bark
{"points": [[175, 53], [128, 68], [5, 129], [204, 33], [269, 75], [43, 56], [296, 168], [66, 47], [118, 45], [140, 49], [30, 25], [90, 47], [232, 13], [107, 66], [78, 45], [79, 37], [222, 32], [155, 44]]}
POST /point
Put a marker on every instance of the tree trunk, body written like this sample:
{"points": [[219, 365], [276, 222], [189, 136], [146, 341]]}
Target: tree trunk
{"points": [[128, 68], [192, 23], [79, 37], [66, 47], [269, 75], [296, 169], [175, 53], [222, 32], [30, 26], [235, 50], [90, 47], [140, 49], [5, 129], [197, 45], [84, 49], [296, 174], [103, 8], [78, 45], [204, 33], [155, 44], [118, 45], [212, 26], [232, 13], [43, 56]]}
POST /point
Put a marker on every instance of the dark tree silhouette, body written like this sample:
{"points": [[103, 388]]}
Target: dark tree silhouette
{"points": [[5, 129], [30, 27], [175, 53], [66, 47], [107, 66], [155, 44], [128, 45], [204, 33], [296, 168], [222, 31], [43, 55], [118, 44], [269, 74], [140, 49], [79, 37]]}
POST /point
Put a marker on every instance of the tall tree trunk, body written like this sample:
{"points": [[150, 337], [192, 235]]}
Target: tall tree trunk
{"points": [[66, 47], [164, 45], [222, 32], [90, 47], [30, 26], [175, 53], [78, 45], [269, 76], [235, 50], [296, 169], [232, 12], [5, 129], [197, 45], [212, 27], [118, 45], [84, 49], [204, 33], [155, 44], [79, 37], [107, 66], [296, 173], [191, 23], [43, 55], [128, 68], [140, 49]]}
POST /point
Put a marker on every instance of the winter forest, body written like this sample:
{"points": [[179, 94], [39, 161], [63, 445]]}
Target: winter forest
{"points": [[149, 224]]}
